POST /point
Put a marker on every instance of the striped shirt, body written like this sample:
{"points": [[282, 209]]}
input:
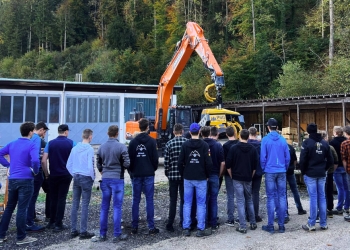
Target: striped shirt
{"points": [[345, 154], [171, 156]]}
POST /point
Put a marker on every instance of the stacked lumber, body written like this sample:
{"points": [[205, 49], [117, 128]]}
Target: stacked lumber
{"points": [[290, 134]]}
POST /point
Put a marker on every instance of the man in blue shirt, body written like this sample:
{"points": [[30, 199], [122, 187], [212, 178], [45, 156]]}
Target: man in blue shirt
{"points": [[22, 169]]}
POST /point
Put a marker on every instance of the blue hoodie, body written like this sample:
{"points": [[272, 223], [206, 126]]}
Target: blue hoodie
{"points": [[274, 154]]}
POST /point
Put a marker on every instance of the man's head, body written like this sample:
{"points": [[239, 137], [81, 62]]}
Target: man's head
{"points": [[113, 131], [272, 124], [214, 132], [346, 130], [230, 132], [87, 134], [253, 131], [27, 129], [63, 129], [338, 131], [143, 124], [194, 129], [178, 129], [41, 128], [205, 131], [324, 134], [311, 128], [244, 134]]}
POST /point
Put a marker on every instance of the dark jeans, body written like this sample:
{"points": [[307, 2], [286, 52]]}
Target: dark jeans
{"points": [[175, 187], [256, 184], [329, 191], [82, 187], [212, 200], [19, 193], [38, 181], [46, 188], [59, 187], [294, 188]]}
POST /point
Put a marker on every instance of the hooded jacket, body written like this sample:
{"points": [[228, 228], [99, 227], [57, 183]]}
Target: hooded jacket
{"points": [[274, 154], [227, 145], [242, 159], [336, 143], [194, 160], [217, 155], [143, 156], [315, 156], [81, 160]]}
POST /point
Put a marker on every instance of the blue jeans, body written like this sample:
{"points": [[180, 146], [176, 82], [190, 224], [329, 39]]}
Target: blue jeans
{"points": [[20, 192], [275, 184], [212, 200], [38, 181], [111, 187], [243, 193], [315, 188], [147, 183], [200, 187], [82, 186], [341, 182], [230, 198], [294, 188]]}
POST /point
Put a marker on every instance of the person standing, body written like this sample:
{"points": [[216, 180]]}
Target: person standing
{"points": [[274, 161], [57, 152], [24, 166], [171, 156], [112, 159], [195, 167], [230, 196], [315, 159], [241, 163], [143, 164], [218, 160], [345, 154], [80, 165]]}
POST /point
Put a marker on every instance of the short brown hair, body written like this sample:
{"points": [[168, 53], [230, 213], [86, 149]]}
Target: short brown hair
{"points": [[253, 131], [346, 129], [86, 133], [178, 128], [143, 124], [338, 130], [26, 128], [244, 134], [214, 131], [205, 131], [113, 130], [230, 131]]}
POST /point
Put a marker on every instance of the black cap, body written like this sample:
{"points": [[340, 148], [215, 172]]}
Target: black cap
{"points": [[40, 125], [311, 128], [63, 127], [272, 123]]}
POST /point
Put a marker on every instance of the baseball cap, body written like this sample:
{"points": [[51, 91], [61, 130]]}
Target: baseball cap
{"points": [[42, 125], [63, 127], [194, 128], [272, 123]]}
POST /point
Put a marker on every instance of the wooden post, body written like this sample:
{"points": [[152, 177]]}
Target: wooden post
{"points": [[344, 113], [263, 120], [298, 125]]}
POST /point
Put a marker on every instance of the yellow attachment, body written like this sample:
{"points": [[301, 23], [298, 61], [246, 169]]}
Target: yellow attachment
{"points": [[206, 93]]}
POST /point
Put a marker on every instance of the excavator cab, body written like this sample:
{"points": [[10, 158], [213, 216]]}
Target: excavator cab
{"points": [[132, 126]]}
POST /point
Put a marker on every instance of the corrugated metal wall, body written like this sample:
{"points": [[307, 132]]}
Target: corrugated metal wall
{"points": [[149, 106]]}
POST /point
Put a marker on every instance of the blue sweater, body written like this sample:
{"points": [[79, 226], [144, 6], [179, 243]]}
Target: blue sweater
{"points": [[24, 155]]}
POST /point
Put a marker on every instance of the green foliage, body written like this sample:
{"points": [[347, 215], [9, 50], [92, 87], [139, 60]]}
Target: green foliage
{"points": [[337, 76], [6, 66]]}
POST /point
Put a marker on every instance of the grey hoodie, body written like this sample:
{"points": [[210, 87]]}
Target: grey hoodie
{"points": [[81, 160]]}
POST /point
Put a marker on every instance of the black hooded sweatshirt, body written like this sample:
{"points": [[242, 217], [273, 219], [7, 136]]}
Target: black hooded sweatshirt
{"points": [[242, 159], [194, 160], [143, 156], [315, 156]]}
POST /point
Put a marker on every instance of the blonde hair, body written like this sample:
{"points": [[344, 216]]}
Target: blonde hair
{"points": [[338, 130]]}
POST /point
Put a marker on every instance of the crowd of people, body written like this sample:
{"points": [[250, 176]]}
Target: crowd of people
{"points": [[195, 167]]}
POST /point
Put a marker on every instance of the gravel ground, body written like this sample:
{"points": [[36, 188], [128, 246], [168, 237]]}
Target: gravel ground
{"points": [[337, 237]]}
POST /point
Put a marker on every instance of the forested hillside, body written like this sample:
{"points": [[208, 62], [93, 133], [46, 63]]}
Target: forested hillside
{"points": [[266, 48]]}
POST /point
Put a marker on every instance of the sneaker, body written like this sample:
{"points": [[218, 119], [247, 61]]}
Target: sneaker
{"points": [[317, 220], [47, 219], [36, 219], [60, 228], [157, 218], [200, 233], [86, 235], [258, 219], [329, 214], [253, 226], [50, 226], [281, 229], [34, 228], [324, 228], [338, 212], [301, 212], [121, 237], [230, 223], [309, 228], [153, 231], [214, 228], [186, 232], [241, 230], [74, 234], [3, 239], [347, 211], [26, 240], [134, 230], [347, 218], [169, 228], [286, 220], [268, 228], [98, 238]]}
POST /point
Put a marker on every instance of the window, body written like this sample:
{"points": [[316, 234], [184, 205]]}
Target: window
{"points": [[93, 110], [103, 110], [5, 109], [71, 110], [30, 108], [17, 112], [42, 109], [82, 109], [54, 110], [114, 110]]}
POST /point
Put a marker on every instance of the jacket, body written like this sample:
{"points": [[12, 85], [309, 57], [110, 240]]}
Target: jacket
{"points": [[194, 160], [315, 156], [81, 160], [171, 155], [336, 143], [227, 145], [274, 154], [293, 158], [217, 155], [257, 145], [143, 156]]}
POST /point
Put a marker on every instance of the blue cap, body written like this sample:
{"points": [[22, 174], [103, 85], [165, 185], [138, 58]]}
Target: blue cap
{"points": [[194, 128]]}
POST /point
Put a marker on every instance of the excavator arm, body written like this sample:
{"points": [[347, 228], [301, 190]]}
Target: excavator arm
{"points": [[192, 40]]}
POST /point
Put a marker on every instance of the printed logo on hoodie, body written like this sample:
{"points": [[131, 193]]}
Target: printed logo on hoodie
{"points": [[318, 148], [194, 156], [141, 150]]}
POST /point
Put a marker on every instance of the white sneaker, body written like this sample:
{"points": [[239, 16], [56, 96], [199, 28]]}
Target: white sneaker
{"points": [[157, 218], [26, 240]]}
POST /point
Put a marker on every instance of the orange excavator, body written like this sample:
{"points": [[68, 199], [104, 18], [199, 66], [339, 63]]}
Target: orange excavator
{"points": [[166, 114]]}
